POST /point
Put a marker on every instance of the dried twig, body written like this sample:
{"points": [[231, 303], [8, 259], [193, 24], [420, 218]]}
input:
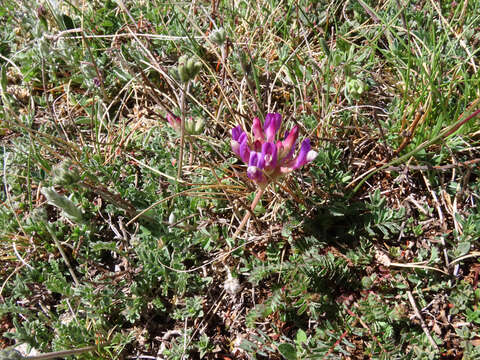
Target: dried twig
{"points": [[429, 167], [422, 322], [409, 133]]}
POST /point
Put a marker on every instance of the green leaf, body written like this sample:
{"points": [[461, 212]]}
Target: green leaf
{"points": [[3, 80], [367, 282], [288, 351], [301, 337], [462, 248], [104, 245], [248, 346], [107, 23]]}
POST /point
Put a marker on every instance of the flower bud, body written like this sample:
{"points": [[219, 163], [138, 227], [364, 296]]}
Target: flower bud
{"points": [[174, 122], [41, 12], [65, 173], [257, 130], [356, 87], [187, 68], [272, 125], [172, 218], [232, 285], [182, 68], [190, 126], [194, 126], [218, 36], [287, 146], [193, 67]]}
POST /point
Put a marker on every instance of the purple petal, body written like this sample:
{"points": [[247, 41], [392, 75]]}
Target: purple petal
{"points": [[288, 145], [254, 158], [302, 155], [257, 130], [254, 172], [269, 155], [235, 146], [242, 138], [272, 125], [237, 131], [239, 143], [244, 150]]}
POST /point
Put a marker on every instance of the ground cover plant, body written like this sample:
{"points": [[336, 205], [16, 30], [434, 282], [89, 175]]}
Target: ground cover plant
{"points": [[236, 179]]}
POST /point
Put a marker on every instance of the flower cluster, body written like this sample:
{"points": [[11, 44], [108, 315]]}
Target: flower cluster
{"points": [[268, 158]]}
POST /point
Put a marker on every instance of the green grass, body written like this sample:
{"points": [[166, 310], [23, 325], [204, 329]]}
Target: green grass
{"points": [[369, 252]]}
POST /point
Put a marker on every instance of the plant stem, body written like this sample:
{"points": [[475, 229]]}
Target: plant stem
{"points": [[64, 256], [99, 75], [255, 201], [224, 62], [190, 160], [182, 136], [61, 354]]}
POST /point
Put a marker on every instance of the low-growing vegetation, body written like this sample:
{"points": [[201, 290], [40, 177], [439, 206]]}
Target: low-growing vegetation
{"points": [[236, 179]]}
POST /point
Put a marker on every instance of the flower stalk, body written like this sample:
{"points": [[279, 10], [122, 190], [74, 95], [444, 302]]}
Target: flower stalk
{"points": [[182, 129], [187, 69], [247, 215]]}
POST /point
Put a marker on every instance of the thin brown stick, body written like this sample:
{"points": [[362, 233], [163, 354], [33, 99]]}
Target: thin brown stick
{"points": [[429, 167], [62, 353], [422, 322], [458, 125], [410, 132]]}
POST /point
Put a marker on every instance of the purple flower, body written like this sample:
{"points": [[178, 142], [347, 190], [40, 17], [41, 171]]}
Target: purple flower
{"points": [[239, 143], [268, 158]]}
